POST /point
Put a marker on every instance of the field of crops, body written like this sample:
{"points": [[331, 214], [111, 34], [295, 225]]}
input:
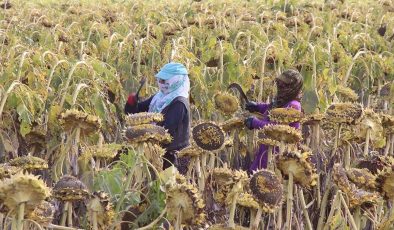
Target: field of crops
{"points": [[67, 67]]}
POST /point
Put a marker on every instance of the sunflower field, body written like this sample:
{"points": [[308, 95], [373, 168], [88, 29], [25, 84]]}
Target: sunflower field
{"points": [[71, 159]]}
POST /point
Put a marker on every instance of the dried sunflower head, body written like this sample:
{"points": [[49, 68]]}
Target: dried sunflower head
{"points": [[187, 198], [267, 189], [285, 115], [226, 102], [147, 133], [6, 170], [341, 180], [153, 153], [72, 119], [69, 188], [385, 182], [247, 200], [388, 123], [375, 163], [143, 118], [300, 165], [360, 197], [314, 118], [362, 178], [43, 213], [190, 151], [23, 188], [347, 112], [100, 204], [208, 136], [36, 139], [370, 121], [282, 133], [222, 176], [268, 142], [29, 163], [347, 93], [105, 151], [233, 123]]}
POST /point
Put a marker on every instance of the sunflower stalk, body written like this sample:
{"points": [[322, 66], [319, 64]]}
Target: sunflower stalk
{"points": [[350, 217], [357, 217], [178, 223], [304, 209], [347, 156], [64, 214], [70, 214], [237, 187], [256, 222], [324, 203], [21, 214], [366, 146], [95, 227], [289, 201]]}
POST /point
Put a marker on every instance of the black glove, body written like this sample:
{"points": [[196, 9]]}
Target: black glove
{"points": [[249, 122], [251, 106]]}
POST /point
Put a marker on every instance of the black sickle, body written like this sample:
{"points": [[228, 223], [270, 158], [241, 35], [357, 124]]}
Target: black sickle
{"points": [[239, 89]]}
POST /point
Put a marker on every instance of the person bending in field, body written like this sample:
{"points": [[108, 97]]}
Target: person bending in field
{"points": [[289, 91], [172, 100]]}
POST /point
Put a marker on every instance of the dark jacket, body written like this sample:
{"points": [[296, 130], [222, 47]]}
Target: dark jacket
{"points": [[176, 120]]}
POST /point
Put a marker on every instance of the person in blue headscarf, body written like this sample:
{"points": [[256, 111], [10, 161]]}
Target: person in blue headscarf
{"points": [[172, 100]]}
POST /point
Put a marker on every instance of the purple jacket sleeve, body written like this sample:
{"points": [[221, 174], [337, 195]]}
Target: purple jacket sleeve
{"points": [[258, 124], [262, 107]]}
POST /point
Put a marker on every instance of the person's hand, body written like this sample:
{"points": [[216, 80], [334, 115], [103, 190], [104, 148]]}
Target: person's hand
{"points": [[249, 122], [132, 99], [251, 106]]}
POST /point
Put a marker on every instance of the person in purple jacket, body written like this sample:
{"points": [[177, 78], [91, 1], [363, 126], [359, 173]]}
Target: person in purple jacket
{"points": [[289, 92]]}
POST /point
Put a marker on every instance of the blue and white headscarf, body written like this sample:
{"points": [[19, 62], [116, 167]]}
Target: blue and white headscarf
{"points": [[178, 85]]}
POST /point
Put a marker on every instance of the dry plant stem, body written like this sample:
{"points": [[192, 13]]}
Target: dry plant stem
{"points": [[21, 214], [190, 168], [388, 144], [336, 202], [201, 179], [271, 164], [70, 215], [231, 223], [95, 227], [350, 217], [289, 201], [324, 204], [178, 224], [304, 209], [337, 135], [316, 136], [279, 219], [64, 214], [256, 222], [357, 217], [58, 227], [74, 152], [347, 156], [253, 213], [366, 147]]}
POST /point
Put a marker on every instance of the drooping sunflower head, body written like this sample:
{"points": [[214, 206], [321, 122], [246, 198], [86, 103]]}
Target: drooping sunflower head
{"points": [[233, 123], [267, 189], [282, 133], [69, 188], [29, 163], [72, 119], [36, 139], [146, 133], [360, 197], [345, 112], [105, 151], [347, 93], [385, 182], [388, 123], [185, 198], [190, 151], [285, 115], [387, 91], [268, 142], [6, 170], [23, 188], [371, 122], [300, 166], [341, 180], [247, 200], [313, 118], [222, 176], [208, 136], [100, 204], [362, 178], [375, 163], [226, 102], [43, 213], [143, 118]]}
